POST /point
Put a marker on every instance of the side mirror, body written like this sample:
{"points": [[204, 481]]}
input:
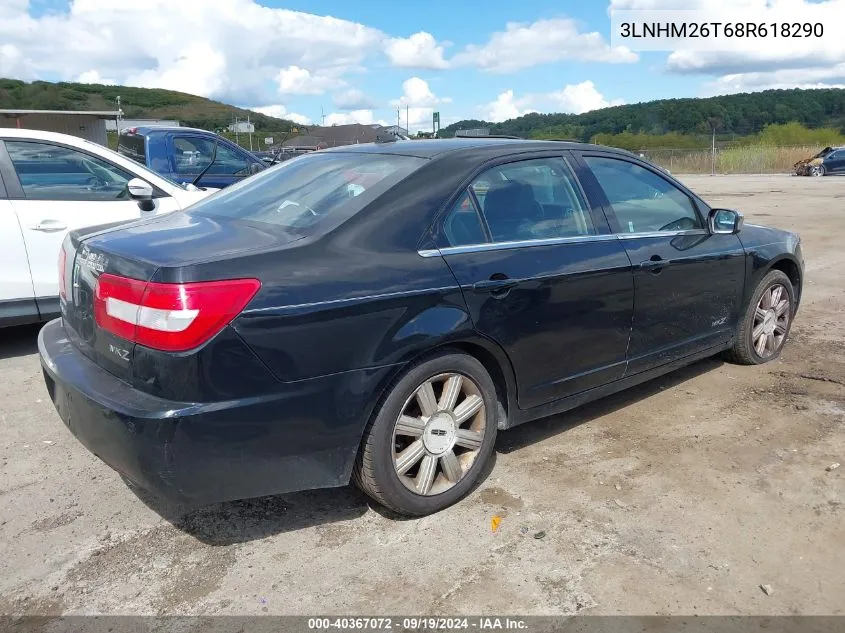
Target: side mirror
{"points": [[254, 168], [141, 191], [725, 221]]}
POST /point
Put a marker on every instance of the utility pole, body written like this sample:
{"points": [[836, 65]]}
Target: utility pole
{"points": [[119, 112], [713, 153], [249, 129], [322, 117], [236, 131], [397, 119]]}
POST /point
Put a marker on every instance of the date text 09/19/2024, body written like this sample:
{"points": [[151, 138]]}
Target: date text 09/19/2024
{"points": [[422, 623]]}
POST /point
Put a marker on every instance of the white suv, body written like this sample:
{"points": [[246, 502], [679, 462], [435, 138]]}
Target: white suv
{"points": [[53, 183]]}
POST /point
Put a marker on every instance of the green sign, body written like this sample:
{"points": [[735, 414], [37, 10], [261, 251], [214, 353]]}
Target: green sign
{"points": [[436, 118]]}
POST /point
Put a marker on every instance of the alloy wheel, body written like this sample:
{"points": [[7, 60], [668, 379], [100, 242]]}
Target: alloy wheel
{"points": [[771, 321], [439, 433]]}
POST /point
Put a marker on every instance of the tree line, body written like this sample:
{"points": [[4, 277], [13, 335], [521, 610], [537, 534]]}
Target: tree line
{"points": [[731, 116]]}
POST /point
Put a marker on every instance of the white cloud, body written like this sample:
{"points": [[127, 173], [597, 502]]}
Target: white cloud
{"points": [[281, 112], [294, 80], [580, 98], [833, 77], [417, 103], [353, 99], [507, 107], [93, 77], [232, 50], [524, 45], [365, 117], [572, 98], [416, 92], [420, 50]]}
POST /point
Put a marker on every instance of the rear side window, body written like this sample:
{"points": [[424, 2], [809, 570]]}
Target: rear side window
{"points": [[463, 225], [132, 146], [317, 189], [524, 200]]}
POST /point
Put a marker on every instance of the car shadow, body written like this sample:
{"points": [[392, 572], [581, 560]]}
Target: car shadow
{"points": [[234, 522], [539, 430], [19, 340], [247, 520]]}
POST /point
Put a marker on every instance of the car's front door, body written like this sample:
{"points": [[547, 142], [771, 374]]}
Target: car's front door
{"points": [[689, 283], [542, 276], [834, 163], [57, 188]]}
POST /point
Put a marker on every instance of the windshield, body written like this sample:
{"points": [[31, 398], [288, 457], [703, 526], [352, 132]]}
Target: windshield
{"points": [[315, 189]]}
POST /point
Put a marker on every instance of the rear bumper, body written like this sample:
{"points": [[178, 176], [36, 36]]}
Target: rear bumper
{"points": [[305, 436]]}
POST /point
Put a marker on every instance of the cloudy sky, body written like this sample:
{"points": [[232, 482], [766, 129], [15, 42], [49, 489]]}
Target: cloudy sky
{"points": [[360, 61]]}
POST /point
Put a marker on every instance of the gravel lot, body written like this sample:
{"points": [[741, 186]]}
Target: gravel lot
{"points": [[683, 495]]}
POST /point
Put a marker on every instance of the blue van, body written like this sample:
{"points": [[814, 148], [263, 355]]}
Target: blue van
{"points": [[188, 155]]}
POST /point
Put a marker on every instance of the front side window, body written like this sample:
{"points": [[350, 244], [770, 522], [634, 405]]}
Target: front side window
{"points": [[53, 172], [194, 154], [643, 201], [314, 190], [531, 199]]}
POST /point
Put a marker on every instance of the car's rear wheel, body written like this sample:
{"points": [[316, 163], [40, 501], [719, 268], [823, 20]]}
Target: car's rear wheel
{"points": [[765, 325], [817, 170], [428, 442]]}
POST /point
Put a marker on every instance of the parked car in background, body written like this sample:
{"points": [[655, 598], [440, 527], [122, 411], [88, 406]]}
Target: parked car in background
{"points": [[51, 183], [377, 312], [188, 155], [829, 161]]}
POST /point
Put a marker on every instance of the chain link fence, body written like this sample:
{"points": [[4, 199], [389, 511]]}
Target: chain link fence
{"points": [[759, 159]]}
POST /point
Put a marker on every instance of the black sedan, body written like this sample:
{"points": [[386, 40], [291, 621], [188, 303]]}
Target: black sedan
{"points": [[829, 161], [377, 312]]}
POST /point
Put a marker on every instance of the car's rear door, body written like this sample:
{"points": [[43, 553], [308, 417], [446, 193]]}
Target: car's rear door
{"points": [[56, 188], [689, 283], [542, 275]]}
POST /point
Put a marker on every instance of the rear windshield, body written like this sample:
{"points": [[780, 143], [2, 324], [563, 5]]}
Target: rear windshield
{"points": [[310, 191], [132, 146]]}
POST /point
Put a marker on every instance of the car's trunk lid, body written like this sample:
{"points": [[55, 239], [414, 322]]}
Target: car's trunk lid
{"points": [[169, 245]]}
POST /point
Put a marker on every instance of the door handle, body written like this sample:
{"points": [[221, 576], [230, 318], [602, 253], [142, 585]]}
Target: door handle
{"points": [[497, 285], [49, 226], [655, 264]]}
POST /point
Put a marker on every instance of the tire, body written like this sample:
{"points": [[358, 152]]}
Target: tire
{"points": [[817, 170], [745, 350], [417, 491]]}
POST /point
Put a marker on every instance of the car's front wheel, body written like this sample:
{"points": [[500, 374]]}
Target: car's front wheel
{"points": [[429, 440], [817, 170], [763, 329]]}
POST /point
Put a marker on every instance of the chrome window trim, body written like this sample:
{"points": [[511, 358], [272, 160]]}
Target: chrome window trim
{"points": [[553, 241], [647, 234]]}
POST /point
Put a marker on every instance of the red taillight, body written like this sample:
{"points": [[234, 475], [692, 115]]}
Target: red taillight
{"points": [[169, 317], [62, 270]]}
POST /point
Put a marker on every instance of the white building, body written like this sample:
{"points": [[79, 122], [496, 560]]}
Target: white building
{"points": [[242, 127], [87, 124]]}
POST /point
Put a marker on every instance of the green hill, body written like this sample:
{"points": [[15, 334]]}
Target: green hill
{"points": [[733, 116], [137, 103]]}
